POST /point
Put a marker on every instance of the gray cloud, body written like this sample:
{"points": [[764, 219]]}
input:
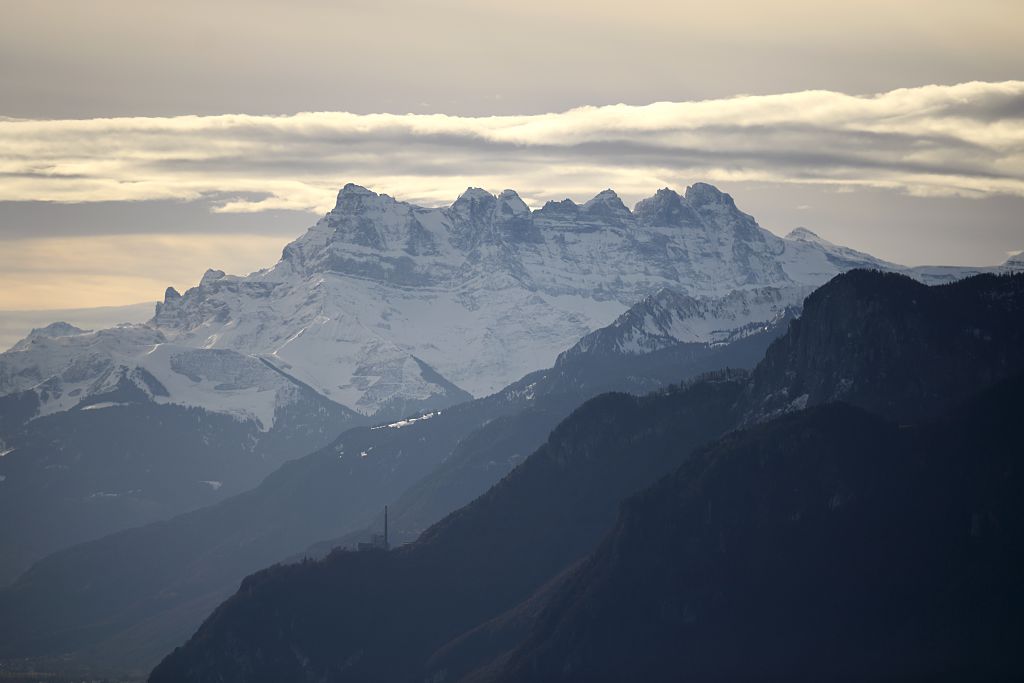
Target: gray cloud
{"points": [[961, 140], [33, 220], [75, 59]]}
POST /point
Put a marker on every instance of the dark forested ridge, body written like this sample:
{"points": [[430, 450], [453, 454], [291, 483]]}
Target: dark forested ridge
{"points": [[827, 545], [894, 346], [451, 603], [486, 455], [378, 616]]}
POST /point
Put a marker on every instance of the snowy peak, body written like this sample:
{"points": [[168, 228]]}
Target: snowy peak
{"points": [[475, 206], [666, 207], [38, 338], [58, 329], [703, 194], [366, 218], [669, 318], [473, 196], [478, 217], [717, 208], [839, 257], [805, 235], [479, 207], [511, 204], [606, 204], [483, 291], [469, 217], [374, 236], [354, 198], [133, 363], [387, 306], [1015, 262], [565, 210], [64, 369], [513, 221], [209, 276]]}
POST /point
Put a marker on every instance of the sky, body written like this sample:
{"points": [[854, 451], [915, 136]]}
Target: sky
{"points": [[142, 143]]}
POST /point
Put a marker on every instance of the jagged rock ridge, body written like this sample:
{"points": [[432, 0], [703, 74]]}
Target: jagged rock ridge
{"points": [[386, 307]]}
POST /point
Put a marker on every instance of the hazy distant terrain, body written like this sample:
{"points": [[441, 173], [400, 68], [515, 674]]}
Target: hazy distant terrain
{"points": [[15, 325], [862, 423]]}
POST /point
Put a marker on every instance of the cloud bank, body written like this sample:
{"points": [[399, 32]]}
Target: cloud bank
{"points": [[963, 140]]}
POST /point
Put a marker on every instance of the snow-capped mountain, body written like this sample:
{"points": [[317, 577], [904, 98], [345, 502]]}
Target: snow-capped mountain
{"points": [[813, 249], [668, 318], [102, 431], [390, 308], [67, 367], [482, 292]]}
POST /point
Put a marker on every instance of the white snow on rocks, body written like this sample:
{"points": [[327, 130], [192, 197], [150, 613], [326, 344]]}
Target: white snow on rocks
{"points": [[384, 303], [408, 421], [669, 317]]}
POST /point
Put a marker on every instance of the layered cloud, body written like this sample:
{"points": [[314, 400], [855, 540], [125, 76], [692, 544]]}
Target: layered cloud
{"points": [[965, 140]]}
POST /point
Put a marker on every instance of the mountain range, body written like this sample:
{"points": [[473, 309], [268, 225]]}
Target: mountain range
{"points": [[501, 588], [89, 608], [831, 544], [388, 308], [364, 347], [380, 311]]}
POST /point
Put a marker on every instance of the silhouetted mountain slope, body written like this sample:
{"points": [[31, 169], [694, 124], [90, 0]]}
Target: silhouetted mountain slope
{"points": [[485, 456], [893, 346], [476, 462], [92, 608], [91, 598], [828, 545], [382, 616], [377, 616], [119, 462], [483, 650]]}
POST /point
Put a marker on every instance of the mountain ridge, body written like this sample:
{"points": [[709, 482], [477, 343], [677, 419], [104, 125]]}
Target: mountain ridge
{"points": [[827, 545], [87, 606], [384, 616], [381, 300]]}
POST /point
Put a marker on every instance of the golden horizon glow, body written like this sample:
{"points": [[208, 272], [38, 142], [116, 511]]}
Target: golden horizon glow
{"points": [[113, 270]]}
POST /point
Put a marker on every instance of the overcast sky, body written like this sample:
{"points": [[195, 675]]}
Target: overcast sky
{"points": [[144, 142]]}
